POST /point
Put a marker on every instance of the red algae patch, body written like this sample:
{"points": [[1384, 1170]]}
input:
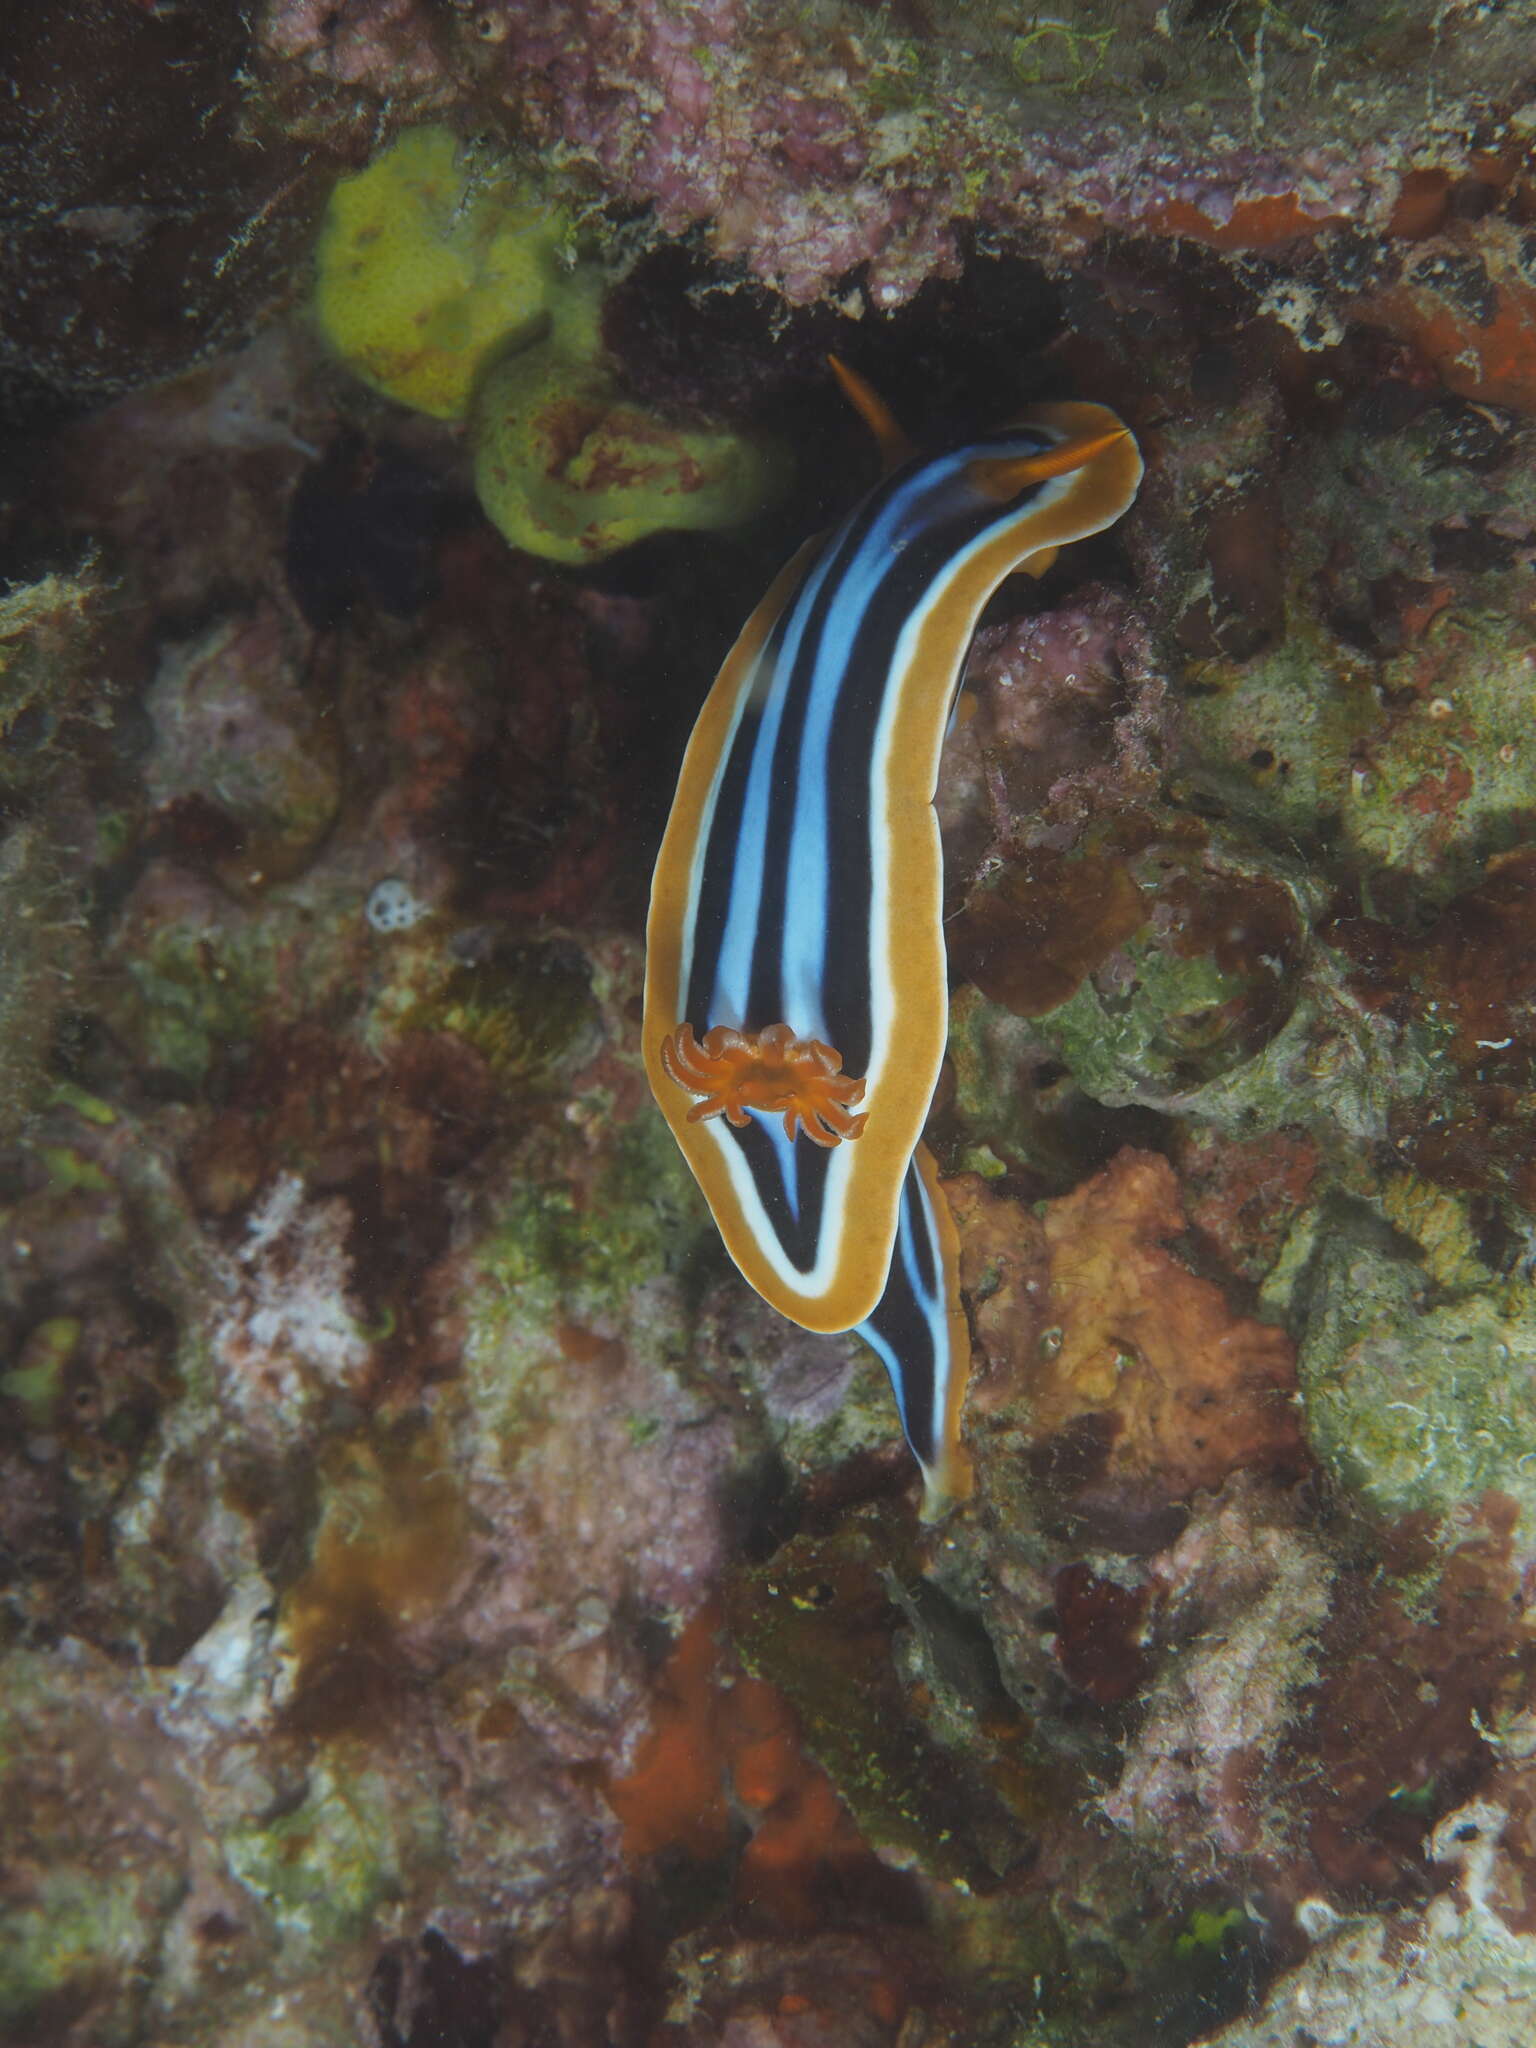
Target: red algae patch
{"points": [[1407, 1690], [1032, 940]]}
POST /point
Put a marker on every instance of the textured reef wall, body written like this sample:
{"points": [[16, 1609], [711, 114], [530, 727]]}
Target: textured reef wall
{"points": [[439, 1603]]}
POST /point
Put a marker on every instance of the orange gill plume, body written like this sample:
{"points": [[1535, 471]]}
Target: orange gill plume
{"points": [[769, 1070]]}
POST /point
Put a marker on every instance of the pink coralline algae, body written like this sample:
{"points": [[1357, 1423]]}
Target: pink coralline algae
{"points": [[358, 42], [1238, 1603], [850, 158], [708, 112], [713, 115], [1070, 721]]}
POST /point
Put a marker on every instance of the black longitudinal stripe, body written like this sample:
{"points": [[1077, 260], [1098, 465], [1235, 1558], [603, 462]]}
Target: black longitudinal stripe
{"points": [[789, 765], [796, 1222], [899, 1319], [765, 999], [797, 1234], [715, 877]]}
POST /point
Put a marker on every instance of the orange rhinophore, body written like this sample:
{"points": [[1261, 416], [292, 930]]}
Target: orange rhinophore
{"points": [[770, 1070]]}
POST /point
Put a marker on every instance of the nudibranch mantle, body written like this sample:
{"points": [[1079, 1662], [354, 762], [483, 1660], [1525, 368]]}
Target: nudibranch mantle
{"points": [[799, 883]]}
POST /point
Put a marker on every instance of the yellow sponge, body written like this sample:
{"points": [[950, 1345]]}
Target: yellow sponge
{"points": [[570, 469], [426, 265]]}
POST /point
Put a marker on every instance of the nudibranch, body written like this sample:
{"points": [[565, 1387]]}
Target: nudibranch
{"points": [[796, 997]]}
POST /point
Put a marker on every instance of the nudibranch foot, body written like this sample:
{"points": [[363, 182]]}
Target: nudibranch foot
{"points": [[800, 1079]]}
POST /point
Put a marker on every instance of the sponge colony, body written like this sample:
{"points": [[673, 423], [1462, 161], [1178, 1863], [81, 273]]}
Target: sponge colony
{"points": [[424, 267], [441, 284], [570, 469]]}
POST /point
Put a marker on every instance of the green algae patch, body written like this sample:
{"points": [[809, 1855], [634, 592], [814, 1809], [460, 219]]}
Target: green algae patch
{"points": [[44, 678], [37, 1378], [993, 1054], [1410, 774], [1162, 1029], [1417, 1404], [1438, 1223], [327, 1870], [93, 1849], [1447, 783], [192, 991], [1387, 727], [91, 1107], [77, 1927], [563, 1251], [50, 690], [429, 261], [1273, 738], [69, 1170], [569, 468], [528, 1012], [642, 1215]]}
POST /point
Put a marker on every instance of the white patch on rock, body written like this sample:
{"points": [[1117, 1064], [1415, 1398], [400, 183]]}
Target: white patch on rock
{"points": [[394, 906], [1302, 312], [296, 1327]]}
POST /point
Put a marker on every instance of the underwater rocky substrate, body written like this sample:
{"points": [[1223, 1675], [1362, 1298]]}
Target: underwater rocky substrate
{"points": [[440, 1602]]}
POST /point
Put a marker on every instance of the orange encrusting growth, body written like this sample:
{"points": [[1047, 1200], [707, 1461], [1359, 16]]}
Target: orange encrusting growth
{"points": [[1490, 361], [770, 1070], [721, 1742], [1259, 222]]}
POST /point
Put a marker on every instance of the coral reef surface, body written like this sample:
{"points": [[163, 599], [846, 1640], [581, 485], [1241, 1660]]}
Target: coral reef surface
{"points": [[439, 1603]]}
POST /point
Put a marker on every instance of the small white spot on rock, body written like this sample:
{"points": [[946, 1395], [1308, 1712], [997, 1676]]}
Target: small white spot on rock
{"points": [[1315, 1917], [394, 906], [1297, 307]]}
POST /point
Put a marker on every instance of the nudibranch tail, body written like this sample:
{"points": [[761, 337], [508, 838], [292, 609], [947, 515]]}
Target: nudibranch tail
{"points": [[771, 1070], [919, 1331]]}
